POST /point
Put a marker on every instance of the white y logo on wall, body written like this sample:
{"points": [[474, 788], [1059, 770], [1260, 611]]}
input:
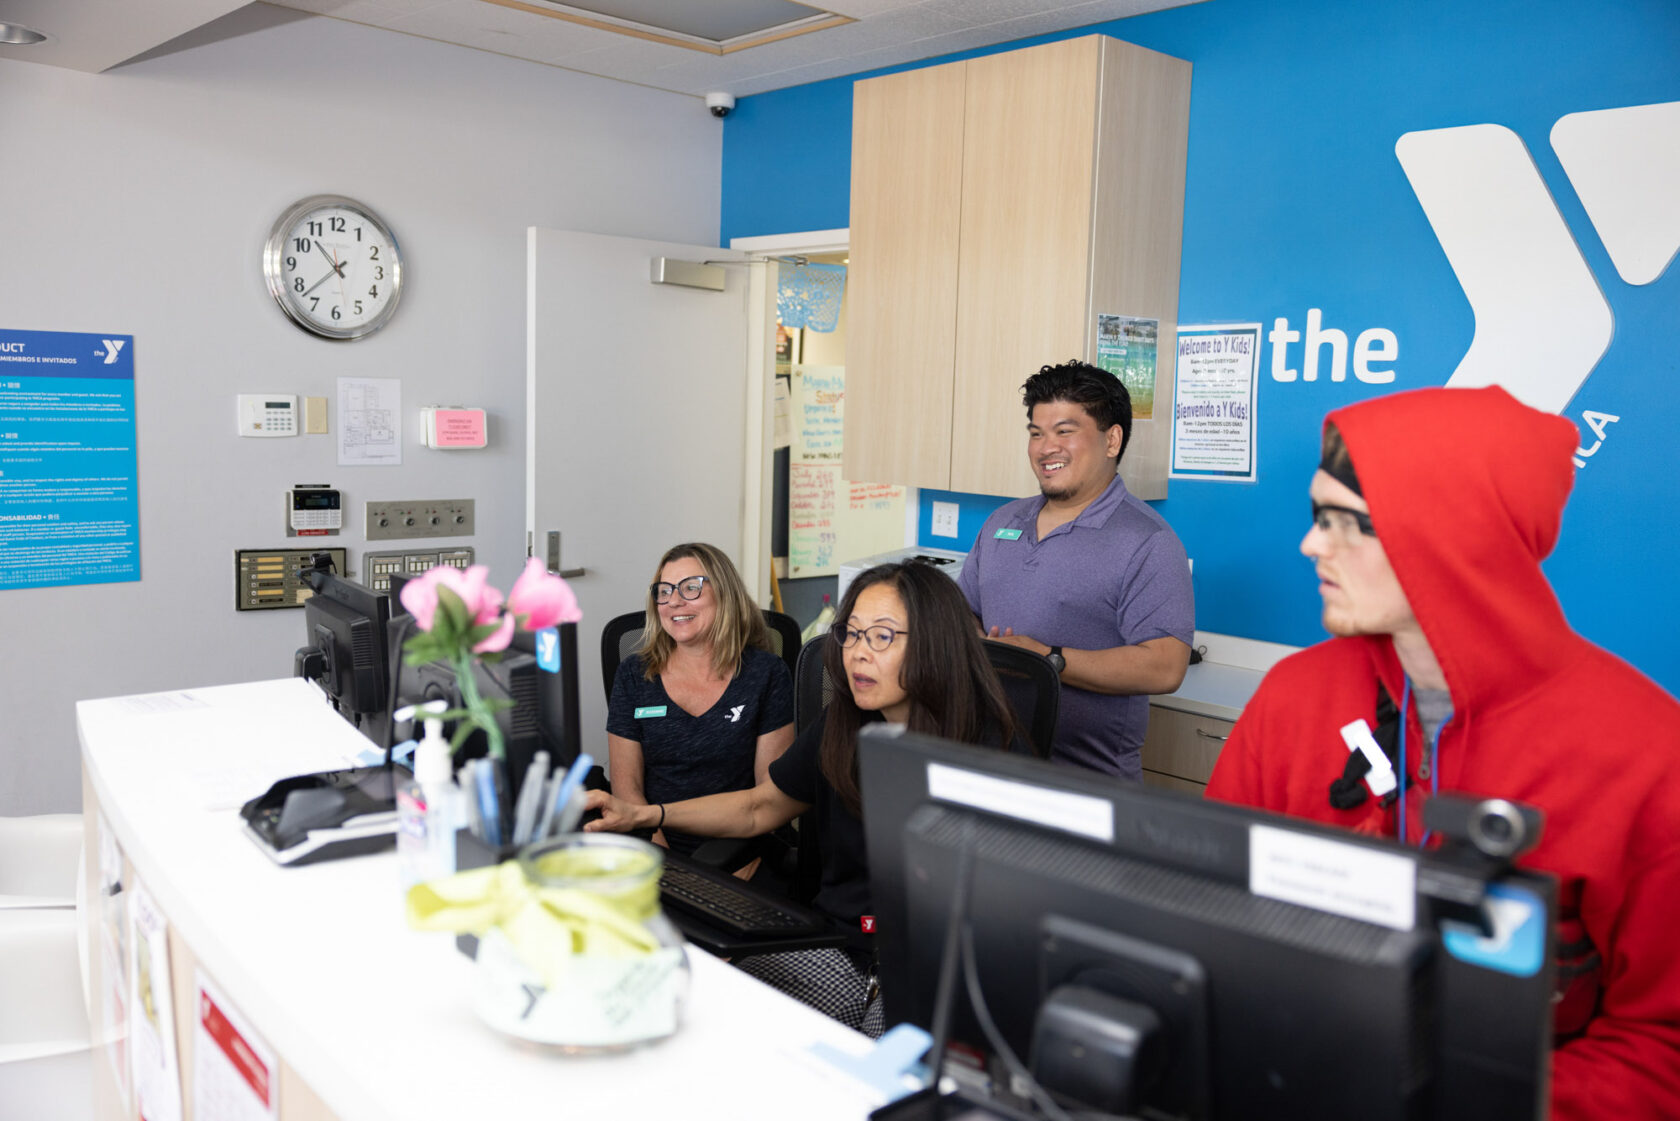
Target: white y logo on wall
{"points": [[1542, 322], [112, 346]]}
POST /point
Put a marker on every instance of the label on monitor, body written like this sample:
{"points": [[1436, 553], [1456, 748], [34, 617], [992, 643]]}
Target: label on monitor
{"points": [[548, 650], [1053, 809], [1518, 943], [1343, 879]]}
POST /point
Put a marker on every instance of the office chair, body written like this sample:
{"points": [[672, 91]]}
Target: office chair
{"points": [[622, 634], [1033, 687]]}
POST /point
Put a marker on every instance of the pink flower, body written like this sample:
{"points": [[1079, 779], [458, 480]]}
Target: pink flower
{"points": [[498, 641], [543, 600], [483, 602]]}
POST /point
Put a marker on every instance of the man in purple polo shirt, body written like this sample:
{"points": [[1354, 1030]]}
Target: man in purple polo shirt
{"points": [[1086, 573]]}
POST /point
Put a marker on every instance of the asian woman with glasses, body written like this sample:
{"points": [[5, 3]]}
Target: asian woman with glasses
{"points": [[905, 650], [702, 706]]}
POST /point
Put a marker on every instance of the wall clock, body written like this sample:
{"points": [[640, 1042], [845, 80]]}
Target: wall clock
{"points": [[334, 268]]}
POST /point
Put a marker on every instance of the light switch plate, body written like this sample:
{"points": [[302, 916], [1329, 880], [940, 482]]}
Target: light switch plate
{"points": [[944, 519], [315, 416]]}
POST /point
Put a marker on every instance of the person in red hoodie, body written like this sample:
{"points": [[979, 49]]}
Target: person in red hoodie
{"points": [[1432, 511]]}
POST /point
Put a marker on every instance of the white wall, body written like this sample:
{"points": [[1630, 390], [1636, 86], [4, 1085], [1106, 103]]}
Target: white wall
{"points": [[137, 201]]}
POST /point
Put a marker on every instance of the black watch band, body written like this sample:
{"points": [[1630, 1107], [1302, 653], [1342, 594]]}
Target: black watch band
{"points": [[1055, 658]]}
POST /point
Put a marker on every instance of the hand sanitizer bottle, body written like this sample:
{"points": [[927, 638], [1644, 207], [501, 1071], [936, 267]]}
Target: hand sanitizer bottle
{"points": [[426, 805]]}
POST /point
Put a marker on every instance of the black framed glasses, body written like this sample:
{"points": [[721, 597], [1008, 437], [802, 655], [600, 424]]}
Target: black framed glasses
{"points": [[878, 637], [1342, 521], [688, 589]]}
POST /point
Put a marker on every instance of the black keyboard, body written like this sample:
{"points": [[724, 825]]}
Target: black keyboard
{"points": [[729, 904]]}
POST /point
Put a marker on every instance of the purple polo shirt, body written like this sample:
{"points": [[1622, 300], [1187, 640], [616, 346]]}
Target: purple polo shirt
{"points": [[1114, 576]]}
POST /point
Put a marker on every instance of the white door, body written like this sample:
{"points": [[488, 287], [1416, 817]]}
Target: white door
{"points": [[637, 412]]}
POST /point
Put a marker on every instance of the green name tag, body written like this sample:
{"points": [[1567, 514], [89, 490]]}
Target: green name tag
{"points": [[651, 710], [1007, 534]]}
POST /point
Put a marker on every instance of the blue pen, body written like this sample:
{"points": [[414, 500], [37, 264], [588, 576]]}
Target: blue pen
{"points": [[489, 809], [563, 793]]}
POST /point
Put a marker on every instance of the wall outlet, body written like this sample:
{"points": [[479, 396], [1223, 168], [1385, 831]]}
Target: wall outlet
{"points": [[944, 519], [437, 517]]}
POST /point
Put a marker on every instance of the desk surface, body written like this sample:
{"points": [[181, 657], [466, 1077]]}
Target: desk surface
{"points": [[376, 1018], [1212, 689]]}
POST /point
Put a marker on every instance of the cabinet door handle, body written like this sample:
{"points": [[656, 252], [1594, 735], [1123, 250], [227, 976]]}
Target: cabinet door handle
{"points": [[1211, 736]]}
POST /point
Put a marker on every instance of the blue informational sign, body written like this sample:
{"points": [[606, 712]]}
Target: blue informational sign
{"points": [[69, 491]]}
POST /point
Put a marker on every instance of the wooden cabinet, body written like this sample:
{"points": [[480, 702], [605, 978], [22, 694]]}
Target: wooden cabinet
{"points": [[1180, 748], [999, 205]]}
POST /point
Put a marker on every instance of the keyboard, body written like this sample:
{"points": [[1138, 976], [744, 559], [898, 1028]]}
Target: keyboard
{"points": [[731, 905]]}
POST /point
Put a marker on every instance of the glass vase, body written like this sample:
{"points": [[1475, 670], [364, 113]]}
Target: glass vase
{"points": [[597, 966]]}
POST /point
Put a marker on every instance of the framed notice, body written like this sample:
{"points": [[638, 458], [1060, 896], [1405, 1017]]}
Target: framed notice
{"points": [[1214, 397]]}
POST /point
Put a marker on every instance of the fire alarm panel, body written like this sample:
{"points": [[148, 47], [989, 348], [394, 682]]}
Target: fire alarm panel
{"points": [[268, 414]]}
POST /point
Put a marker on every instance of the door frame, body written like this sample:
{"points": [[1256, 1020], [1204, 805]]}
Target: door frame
{"points": [[756, 484]]}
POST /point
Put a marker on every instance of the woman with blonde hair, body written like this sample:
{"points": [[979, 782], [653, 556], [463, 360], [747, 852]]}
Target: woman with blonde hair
{"points": [[702, 706], [906, 651]]}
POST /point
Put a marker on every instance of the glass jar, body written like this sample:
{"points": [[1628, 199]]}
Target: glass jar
{"points": [[590, 963]]}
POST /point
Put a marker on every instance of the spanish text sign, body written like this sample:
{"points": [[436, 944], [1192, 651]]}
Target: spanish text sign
{"points": [[1214, 396], [69, 496]]}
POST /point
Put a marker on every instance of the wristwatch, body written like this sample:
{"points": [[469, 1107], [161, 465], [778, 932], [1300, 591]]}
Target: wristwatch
{"points": [[1055, 659]]}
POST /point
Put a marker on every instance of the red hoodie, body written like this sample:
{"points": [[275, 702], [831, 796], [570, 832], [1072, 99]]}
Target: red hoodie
{"points": [[1466, 490]]}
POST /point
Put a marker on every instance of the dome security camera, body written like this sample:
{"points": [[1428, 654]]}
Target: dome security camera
{"points": [[720, 103]]}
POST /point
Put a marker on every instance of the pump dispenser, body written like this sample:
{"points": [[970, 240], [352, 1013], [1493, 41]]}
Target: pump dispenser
{"points": [[426, 804]]}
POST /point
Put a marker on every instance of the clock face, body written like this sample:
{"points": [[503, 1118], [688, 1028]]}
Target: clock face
{"points": [[334, 267]]}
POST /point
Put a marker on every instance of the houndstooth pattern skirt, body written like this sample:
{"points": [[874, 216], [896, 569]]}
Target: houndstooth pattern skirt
{"points": [[827, 980]]}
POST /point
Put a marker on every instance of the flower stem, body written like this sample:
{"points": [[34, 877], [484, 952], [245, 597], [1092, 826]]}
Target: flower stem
{"points": [[479, 713]]}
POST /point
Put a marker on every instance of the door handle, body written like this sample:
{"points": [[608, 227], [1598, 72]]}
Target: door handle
{"points": [[554, 559], [1211, 736]]}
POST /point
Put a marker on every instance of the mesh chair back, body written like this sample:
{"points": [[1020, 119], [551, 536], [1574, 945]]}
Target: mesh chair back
{"points": [[1034, 689], [812, 688], [618, 638], [784, 638]]}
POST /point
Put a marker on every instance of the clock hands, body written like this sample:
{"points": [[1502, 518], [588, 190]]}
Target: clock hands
{"points": [[337, 270], [337, 265], [318, 283]]}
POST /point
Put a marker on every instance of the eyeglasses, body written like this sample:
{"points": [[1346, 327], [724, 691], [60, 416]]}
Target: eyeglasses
{"points": [[689, 589], [879, 638], [1341, 521]]}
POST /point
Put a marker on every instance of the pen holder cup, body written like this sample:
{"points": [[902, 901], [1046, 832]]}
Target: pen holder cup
{"points": [[592, 964], [473, 851]]}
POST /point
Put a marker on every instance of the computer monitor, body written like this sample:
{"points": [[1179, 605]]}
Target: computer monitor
{"points": [[1148, 952], [345, 649], [543, 715]]}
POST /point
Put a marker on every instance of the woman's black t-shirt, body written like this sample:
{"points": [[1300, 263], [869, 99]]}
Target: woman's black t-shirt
{"points": [[689, 755], [844, 892]]}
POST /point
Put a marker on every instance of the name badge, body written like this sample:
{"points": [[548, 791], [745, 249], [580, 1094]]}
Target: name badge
{"points": [[650, 710], [1007, 534]]}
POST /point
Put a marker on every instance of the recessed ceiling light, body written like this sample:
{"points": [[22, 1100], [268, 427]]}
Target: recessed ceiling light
{"points": [[19, 35]]}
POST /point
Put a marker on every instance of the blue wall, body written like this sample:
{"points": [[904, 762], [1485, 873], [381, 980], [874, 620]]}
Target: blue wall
{"points": [[1295, 200]]}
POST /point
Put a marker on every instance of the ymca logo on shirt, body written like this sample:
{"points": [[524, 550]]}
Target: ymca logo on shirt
{"points": [[735, 713]]}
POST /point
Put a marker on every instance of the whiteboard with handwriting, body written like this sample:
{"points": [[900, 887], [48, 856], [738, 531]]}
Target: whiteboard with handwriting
{"points": [[831, 519]]}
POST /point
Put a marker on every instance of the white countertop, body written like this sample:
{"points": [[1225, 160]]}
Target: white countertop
{"points": [[374, 1017], [1212, 689]]}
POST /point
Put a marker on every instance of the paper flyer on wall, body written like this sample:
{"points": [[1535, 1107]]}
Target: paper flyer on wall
{"points": [[235, 1074], [113, 954], [369, 422], [1214, 399], [69, 475], [1126, 348], [157, 1070]]}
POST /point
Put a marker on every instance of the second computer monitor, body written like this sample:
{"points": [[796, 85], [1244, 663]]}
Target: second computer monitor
{"points": [[1119, 933]]}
